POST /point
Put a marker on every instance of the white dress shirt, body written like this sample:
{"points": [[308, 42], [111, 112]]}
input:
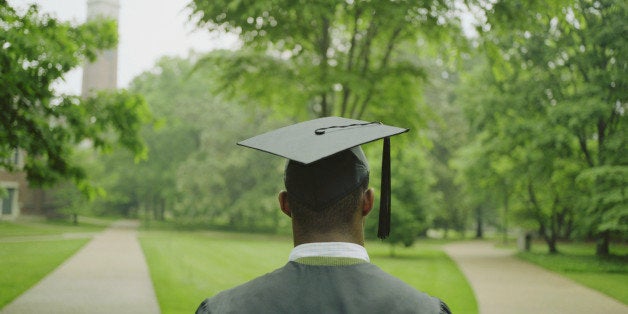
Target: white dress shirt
{"points": [[329, 249]]}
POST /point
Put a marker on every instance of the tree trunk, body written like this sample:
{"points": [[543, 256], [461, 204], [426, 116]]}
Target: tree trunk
{"points": [[146, 217], [550, 238], [506, 218], [602, 247], [162, 209], [551, 245], [479, 230]]}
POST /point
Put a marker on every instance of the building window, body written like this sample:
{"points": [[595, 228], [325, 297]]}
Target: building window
{"points": [[16, 157], [7, 202], [15, 160]]}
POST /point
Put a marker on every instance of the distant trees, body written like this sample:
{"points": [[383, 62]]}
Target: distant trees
{"points": [[530, 130], [195, 174], [35, 51], [549, 112]]}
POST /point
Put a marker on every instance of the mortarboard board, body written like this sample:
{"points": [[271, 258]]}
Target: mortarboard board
{"points": [[329, 149]]}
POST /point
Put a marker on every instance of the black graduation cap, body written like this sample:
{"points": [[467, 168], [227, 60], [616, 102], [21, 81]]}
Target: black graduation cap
{"points": [[325, 157]]}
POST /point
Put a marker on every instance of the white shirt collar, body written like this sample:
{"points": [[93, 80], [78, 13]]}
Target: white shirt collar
{"points": [[329, 249]]}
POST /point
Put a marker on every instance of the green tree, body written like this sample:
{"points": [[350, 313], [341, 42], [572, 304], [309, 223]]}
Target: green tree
{"points": [[570, 58], [177, 98], [413, 203], [195, 174], [35, 51], [228, 186], [478, 171], [607, 205], [522, 156], [357, 59], [448, 132], [351, 58]]}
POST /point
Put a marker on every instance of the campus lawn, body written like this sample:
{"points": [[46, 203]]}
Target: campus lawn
{"points": [[578, 262], [187, 267], [25, 261], [39, 226], [23, 264]]}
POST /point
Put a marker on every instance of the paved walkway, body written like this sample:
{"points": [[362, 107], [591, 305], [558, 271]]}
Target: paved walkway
{"points": [[504, 284], [108, 275]]}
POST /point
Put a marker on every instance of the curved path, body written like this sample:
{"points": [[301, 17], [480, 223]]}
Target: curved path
{"points": [[108, 275], [505, 284]]}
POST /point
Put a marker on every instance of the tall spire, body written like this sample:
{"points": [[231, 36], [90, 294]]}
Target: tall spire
{"points": [[103, 73]]}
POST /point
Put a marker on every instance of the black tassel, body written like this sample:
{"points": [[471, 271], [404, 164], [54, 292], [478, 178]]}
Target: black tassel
{"points": [[384, 203]]}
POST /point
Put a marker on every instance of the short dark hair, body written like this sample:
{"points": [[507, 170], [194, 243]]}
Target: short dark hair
{"points": [[336, 216]]}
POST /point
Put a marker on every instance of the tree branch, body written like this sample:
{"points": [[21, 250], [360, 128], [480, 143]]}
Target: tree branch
{"points": [[389, 48], [323, 45], [365, 55], [584, 148], [346, 91]]}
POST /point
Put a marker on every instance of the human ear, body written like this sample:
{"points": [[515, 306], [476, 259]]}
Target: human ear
{"points": [[284, 204], [368, 198]]}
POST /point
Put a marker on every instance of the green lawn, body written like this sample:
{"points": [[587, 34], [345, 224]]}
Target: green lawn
{"points": [[578, 262], [33, 226], [22, 264], [26, 262], [187, 267]]}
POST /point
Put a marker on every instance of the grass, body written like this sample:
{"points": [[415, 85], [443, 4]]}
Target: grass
{"points": [[35, 226], [26, 261], [23, 264], [187, 267], [578, 262]]}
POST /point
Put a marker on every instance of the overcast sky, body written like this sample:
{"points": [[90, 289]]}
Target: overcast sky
{"points": [[148, 29]]}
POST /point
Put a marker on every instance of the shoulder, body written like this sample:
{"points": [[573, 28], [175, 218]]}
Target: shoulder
{"points": [[389, 287], [260, 288]]}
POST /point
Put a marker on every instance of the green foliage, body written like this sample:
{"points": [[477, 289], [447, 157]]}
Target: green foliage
{"points": [[358, 59], [355, 58], [226, 184], [176, 100], [36, 51], [549, 106], [608, 198], [448, 132], [405, 229], [412, 201], [252, 79], [195, 173]]}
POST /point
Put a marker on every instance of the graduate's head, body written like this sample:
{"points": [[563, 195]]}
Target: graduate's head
{"points": [[327, 173], [329, 194]]}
